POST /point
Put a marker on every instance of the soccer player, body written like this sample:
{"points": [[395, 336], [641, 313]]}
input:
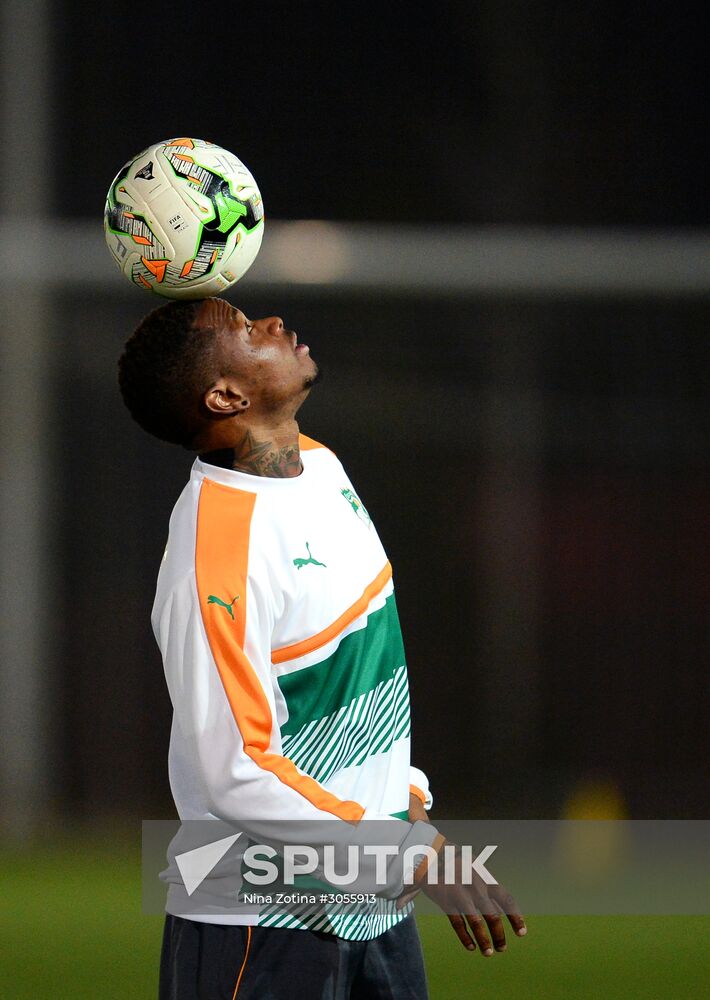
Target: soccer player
{"points": [[276, 619]]}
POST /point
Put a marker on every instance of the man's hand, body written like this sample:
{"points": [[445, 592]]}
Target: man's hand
{"points": [[473, 910]]}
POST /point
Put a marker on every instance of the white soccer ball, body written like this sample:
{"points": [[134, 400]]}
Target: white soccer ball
{"points": [[184, 219]]}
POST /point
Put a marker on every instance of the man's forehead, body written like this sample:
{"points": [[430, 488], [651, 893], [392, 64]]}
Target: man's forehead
{"points": [[217, 312]]}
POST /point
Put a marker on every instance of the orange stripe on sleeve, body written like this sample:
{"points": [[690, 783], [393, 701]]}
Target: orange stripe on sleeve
{"points": [[335, 628], [224, 518]]}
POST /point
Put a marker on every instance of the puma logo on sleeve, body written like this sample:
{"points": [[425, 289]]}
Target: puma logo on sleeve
{"points": [[298, 563], [223, 604]]}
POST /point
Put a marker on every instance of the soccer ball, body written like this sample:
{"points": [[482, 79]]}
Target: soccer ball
{"points": [[184, 219]]}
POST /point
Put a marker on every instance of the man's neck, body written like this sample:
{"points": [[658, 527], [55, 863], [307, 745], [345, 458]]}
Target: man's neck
{"points": [[263, 452]]}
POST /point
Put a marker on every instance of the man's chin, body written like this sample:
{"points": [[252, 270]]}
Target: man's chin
{"points": [[311, 380]]}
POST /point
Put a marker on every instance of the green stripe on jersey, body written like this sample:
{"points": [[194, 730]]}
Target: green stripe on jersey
{"points": [[369, 725], [363, 660]]}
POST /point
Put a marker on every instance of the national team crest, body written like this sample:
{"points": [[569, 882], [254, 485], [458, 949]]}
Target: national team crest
{"points": [[357, 505]]}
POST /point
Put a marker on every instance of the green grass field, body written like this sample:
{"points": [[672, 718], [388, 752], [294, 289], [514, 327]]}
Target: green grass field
{"points": [[71, 927]]}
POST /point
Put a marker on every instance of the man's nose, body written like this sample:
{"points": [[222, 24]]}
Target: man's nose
{"points": [[273, 325]]}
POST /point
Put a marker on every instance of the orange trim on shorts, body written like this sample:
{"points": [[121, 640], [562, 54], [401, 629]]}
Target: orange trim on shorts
{"points": [[335, 628], [244, 963], [224, 519]]}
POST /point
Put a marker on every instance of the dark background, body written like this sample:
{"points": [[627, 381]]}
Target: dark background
{"points": [[493, 112], [537, 468]]}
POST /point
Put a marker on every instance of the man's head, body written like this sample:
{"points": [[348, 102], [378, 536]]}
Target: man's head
{"points": [[197, 373]]}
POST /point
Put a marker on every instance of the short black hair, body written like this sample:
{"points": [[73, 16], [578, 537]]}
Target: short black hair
{"points": [[165, 364]]}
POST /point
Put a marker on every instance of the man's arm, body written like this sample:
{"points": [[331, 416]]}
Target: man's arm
{"points": [[416, 809]]}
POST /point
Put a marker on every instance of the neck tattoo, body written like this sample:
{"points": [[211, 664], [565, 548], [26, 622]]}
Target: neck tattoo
{"points": [[262, 458]]}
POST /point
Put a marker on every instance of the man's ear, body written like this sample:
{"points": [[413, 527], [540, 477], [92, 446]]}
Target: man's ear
{"points": [[225, 399]]}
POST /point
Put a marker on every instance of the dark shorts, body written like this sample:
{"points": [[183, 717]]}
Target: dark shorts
{"points": [[216, 962]]}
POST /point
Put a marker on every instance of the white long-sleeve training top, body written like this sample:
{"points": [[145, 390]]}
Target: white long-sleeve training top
{"points": [[276, 619]]}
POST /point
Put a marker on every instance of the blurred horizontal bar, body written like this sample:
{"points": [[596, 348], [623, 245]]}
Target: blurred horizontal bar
{"points": [[462, 260]]}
